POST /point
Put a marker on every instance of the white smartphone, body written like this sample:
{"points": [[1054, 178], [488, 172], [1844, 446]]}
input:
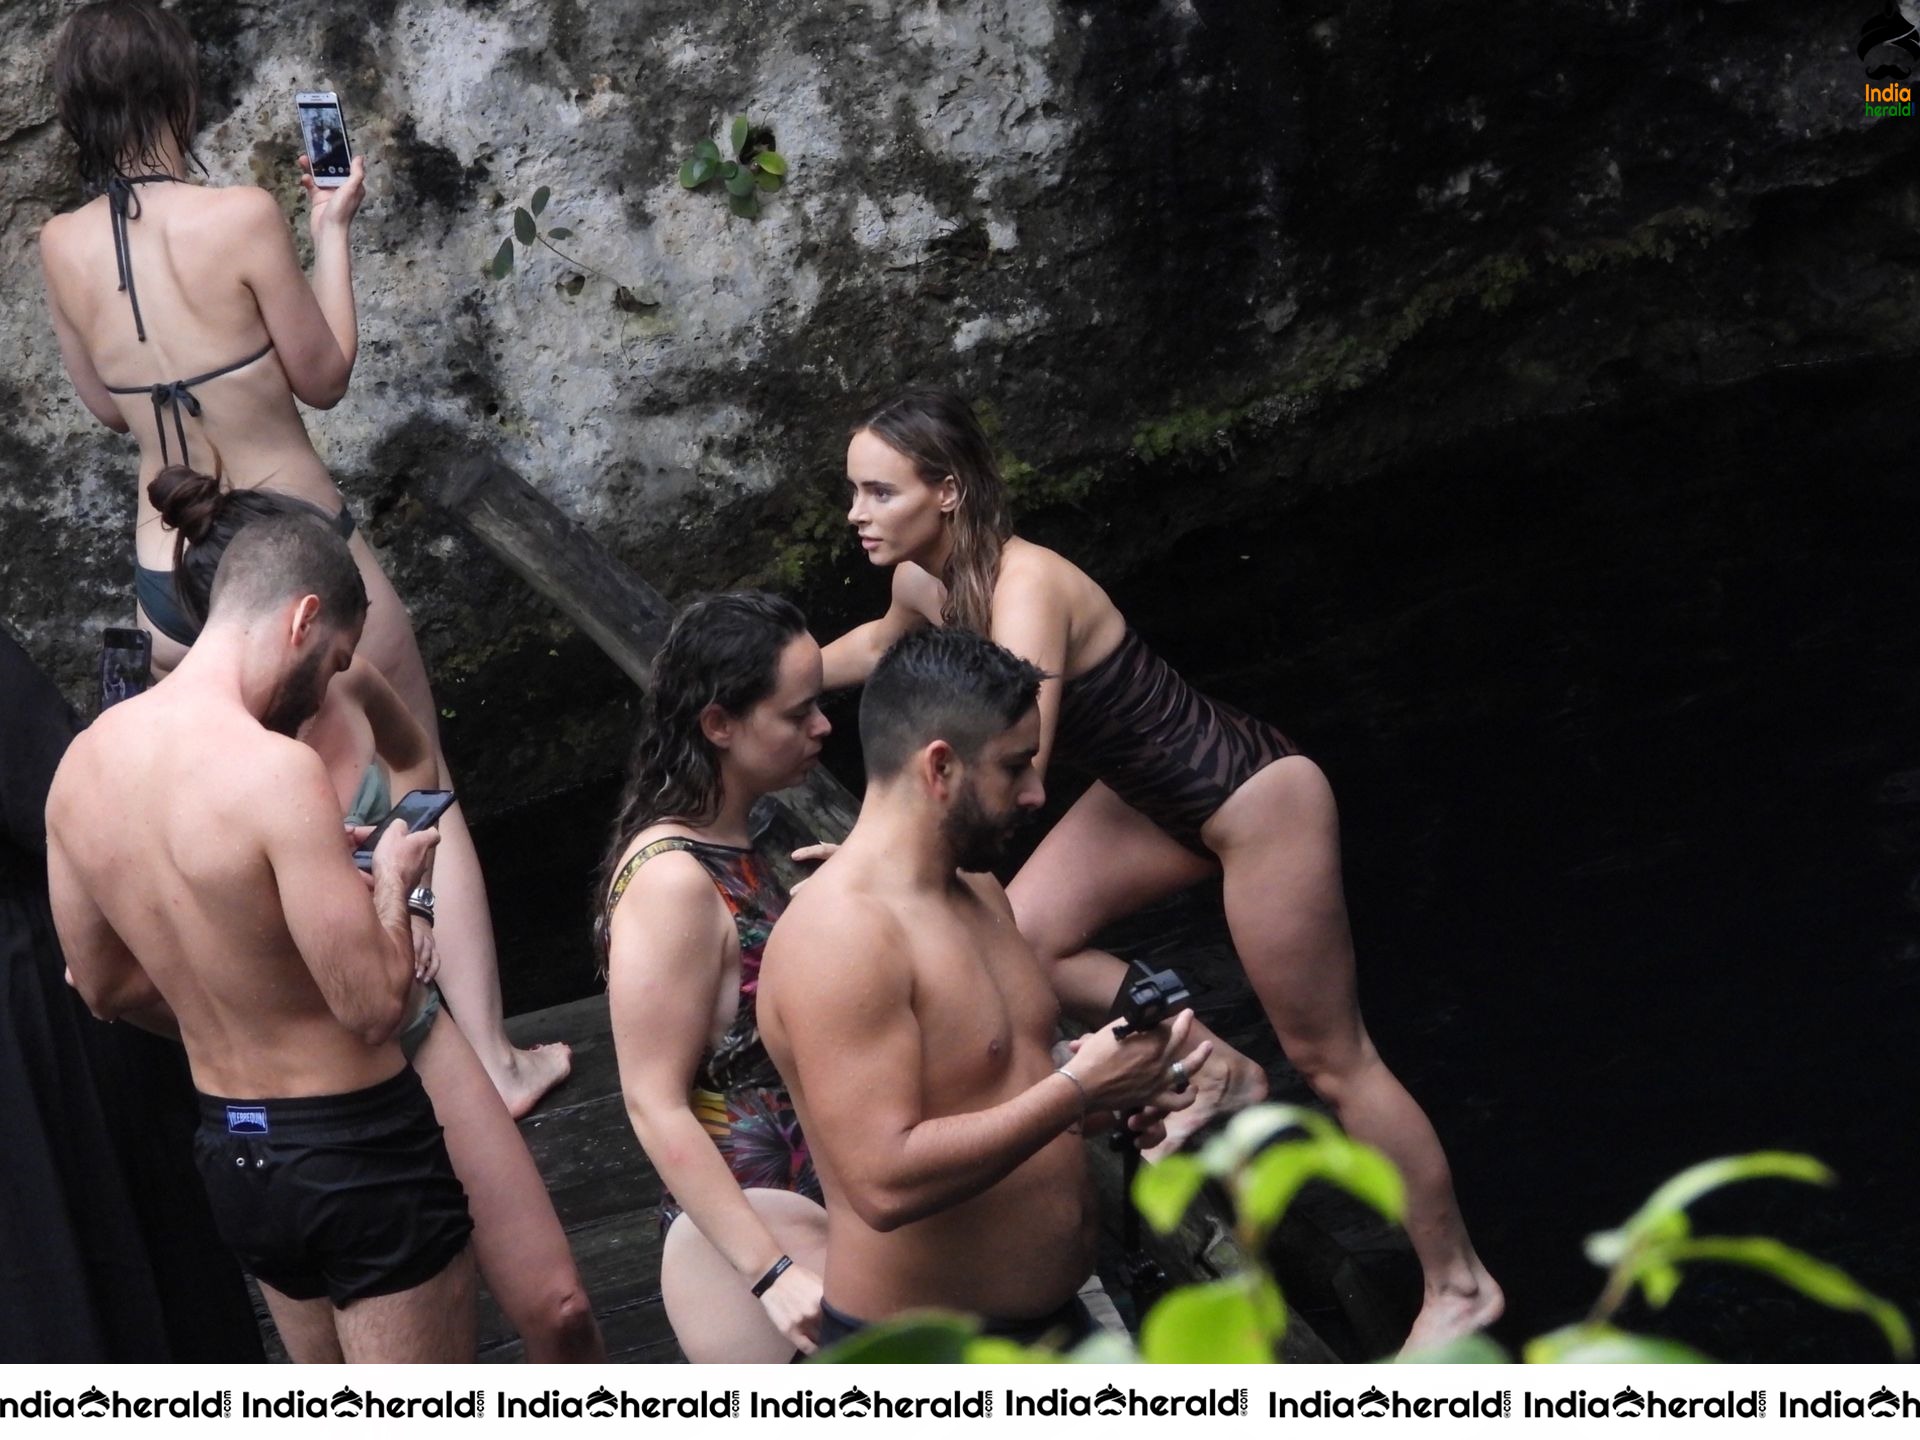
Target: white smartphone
{"points": [[323, 130]]}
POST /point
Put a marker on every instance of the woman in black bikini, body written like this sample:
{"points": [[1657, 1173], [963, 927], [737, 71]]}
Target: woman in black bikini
{"points": [[183, 316], [732, 714], [1187, 788]]}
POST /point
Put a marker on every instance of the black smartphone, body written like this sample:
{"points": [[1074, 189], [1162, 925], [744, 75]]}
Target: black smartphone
{"points": [[126, 664], [417, 810], [323, 130]]}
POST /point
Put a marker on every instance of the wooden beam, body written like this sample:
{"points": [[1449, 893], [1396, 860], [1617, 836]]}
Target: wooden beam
{"points": [[620, 612]]}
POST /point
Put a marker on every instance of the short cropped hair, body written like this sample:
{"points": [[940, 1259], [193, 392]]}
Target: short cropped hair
{"points": [[942, 684], [278, 558]]}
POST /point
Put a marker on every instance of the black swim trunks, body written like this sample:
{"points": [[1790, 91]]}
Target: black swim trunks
{"points": [[1063, 1328], [346, 1196]]}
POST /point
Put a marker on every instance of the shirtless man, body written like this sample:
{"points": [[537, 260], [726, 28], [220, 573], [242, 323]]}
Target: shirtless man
{"points": [[203, 887], [914, 1026]]}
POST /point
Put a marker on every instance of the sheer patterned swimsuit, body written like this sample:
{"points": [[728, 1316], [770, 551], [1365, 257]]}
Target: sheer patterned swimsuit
{"points": [[1160, 745], [175, 398], [738, 1095]]}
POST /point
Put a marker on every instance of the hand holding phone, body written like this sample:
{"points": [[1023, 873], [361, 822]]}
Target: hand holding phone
{"points": [[417, 810], [323, 135]]}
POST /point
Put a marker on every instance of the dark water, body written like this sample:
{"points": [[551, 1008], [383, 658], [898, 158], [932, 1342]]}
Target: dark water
{"points": [[1624, 716]]}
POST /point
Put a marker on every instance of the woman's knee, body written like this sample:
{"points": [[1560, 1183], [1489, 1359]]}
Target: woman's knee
{"points": [[1332, 1061]]}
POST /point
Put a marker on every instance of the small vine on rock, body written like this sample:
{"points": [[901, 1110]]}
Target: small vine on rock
{"points": [[756, 167]]}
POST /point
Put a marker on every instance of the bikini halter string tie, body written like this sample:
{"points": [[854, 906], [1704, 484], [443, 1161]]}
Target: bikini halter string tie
{"points": [[123, 204], [175, 396]]}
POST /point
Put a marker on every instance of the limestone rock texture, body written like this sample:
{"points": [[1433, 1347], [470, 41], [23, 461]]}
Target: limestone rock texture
{"points": [[1196, 257]]}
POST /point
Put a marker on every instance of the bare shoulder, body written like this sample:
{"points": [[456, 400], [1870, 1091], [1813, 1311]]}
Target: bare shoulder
{"points": [[671, 883], [917, 590], [1030, 568], [989, 892], [834, 935], [247, 206]]}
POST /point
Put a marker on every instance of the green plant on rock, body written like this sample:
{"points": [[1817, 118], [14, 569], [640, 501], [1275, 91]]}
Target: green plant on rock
{"points": [[756, 167], [528, 232], [1240, 1319]]}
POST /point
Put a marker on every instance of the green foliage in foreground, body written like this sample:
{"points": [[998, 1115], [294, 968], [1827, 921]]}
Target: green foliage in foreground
{"points": [[755, 167], [1240, 1319]]}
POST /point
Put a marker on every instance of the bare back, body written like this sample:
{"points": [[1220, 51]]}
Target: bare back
{"points": [[167, 826], [885, 1007], [197, 254]]}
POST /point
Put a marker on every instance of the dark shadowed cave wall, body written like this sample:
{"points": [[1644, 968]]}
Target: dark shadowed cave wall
{"points": [[1201, 260]]}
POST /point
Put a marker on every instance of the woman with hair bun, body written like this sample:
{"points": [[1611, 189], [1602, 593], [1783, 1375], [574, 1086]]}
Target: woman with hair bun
{"points": [[686, 905], [1185, 788], [374, 749], [184, 317]]}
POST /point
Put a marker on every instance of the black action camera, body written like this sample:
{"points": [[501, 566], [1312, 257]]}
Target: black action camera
{"points": [[1148, 997]]}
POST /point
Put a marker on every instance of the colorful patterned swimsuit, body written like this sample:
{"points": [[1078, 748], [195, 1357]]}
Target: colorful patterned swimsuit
{"points": [[738, 1095]]}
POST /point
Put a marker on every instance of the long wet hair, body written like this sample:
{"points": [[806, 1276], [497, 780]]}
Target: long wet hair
{"points": [[126, 78], [723, 650], [939, 433], [205, 515]]}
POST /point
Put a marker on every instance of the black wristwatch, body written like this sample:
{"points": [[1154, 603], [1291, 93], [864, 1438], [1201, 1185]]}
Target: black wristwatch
{"points": [[420, 903]]}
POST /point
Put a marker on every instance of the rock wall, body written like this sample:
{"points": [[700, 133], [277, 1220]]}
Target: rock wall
{"points": [[1197, 256]]}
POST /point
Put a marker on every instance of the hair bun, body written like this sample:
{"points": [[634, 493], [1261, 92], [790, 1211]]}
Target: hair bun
{"points": [[187, 500]]}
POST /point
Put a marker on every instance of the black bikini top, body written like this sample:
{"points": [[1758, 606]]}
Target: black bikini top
{"points": [[123, 204]]}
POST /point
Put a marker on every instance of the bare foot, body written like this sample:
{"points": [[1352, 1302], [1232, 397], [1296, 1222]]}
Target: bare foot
{"points": [[531, 1074], [1451, 1313], [1228, 1081]]}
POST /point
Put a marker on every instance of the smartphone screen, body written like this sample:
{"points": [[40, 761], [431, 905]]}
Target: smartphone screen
{"points": [[126, 664], [323, 129]]}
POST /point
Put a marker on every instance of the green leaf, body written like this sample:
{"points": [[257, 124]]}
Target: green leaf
{"points": [[1162, 1191], [501, 265], [1593, 1344], [729, 169], [768, 182], [1697, 1180], [707, 150], [697, 172], [918, 1340], [1265, 1186], [573, 284], [1229, 1322], [1103, 1348], [1659, 1279], [559, 232], [746, 206], [741, 129], [540, 198], [1252, 1128], [1815, 1279], [771, 162], [740, 182], [1474, 1349], [524, 228], [992, 1350]]}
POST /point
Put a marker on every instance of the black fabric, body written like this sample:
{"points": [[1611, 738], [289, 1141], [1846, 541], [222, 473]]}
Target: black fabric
{"points": [[107, 1249], [346, 1196], [1062, 1328], [1170, 752]]}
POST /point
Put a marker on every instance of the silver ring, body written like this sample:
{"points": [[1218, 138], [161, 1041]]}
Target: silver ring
{"points": [[1177, 1072]]}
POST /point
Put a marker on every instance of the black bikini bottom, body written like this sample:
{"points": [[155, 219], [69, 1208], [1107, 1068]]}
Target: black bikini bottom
{"points": [[154, 590]]}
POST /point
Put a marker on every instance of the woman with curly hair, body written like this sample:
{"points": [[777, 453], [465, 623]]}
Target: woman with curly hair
{"points": [[687, 903]]}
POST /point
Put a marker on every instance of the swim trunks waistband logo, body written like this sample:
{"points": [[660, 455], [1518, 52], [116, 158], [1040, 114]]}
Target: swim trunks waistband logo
{"points": [[246, 1120]]}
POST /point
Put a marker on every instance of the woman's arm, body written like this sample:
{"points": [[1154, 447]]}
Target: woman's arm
{"points": [[670, 934], [398, 739], [313, 326], [915, 602], [1031, 618]]}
